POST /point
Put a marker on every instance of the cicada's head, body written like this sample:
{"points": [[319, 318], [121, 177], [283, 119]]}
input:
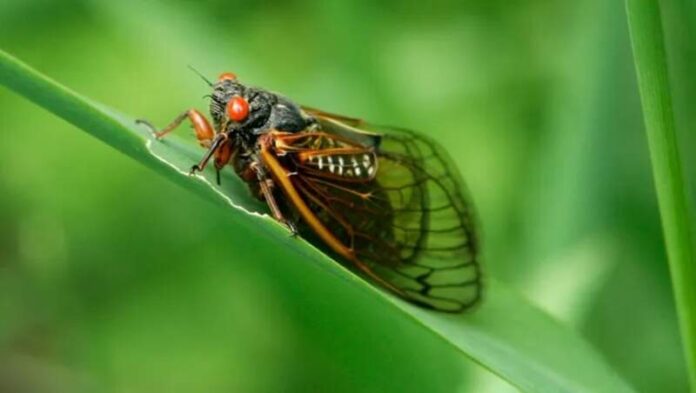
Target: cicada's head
{"points": [[245, 112], [228, 103]]}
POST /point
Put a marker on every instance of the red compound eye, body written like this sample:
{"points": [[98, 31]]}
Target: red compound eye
{"points": [[227, 76], [237, 108]]}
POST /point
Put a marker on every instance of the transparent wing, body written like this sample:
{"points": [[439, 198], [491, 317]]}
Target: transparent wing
{"points": [[404, 215]]}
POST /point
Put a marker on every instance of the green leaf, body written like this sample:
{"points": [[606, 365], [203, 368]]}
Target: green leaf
{"points": [[506, 334], [645, 24]]}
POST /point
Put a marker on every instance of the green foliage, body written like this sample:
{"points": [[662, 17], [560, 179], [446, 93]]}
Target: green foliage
{"points": [[116, 278]]}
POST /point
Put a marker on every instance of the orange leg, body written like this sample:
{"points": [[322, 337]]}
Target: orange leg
{"points": [[266, 186], [223, 156], [204, 132]]}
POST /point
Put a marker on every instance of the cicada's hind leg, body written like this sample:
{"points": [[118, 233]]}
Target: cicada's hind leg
{"points": [[266, 188], [204, 132]]}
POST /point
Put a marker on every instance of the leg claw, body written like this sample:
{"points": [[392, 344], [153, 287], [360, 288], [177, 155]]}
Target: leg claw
{"points": [[149, 127], [293, 229]]}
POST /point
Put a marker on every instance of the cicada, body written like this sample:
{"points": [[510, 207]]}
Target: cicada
{"points": [[385, 201]]}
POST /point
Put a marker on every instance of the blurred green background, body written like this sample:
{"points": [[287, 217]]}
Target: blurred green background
{"points": [[113, 279]]}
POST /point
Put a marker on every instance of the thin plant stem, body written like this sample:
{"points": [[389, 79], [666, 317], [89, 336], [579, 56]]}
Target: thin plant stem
{"points": [[645, 25]]}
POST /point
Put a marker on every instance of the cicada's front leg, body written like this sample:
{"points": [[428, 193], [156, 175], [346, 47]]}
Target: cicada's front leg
{"points": [[217, 144], [204, 131]]}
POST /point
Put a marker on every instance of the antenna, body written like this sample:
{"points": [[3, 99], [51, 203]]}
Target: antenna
{"points": [[201, 75]]}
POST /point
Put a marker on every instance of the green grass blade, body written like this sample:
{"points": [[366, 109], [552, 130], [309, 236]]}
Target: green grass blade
{"points": [[644, 19], [507, 335]]}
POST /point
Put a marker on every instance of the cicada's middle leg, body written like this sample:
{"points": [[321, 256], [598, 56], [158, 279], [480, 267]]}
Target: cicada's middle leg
{"points": [[266, 188]]}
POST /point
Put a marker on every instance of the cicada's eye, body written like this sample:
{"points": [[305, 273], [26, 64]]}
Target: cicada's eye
{"points": [[227, 76], [237, 109]]}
